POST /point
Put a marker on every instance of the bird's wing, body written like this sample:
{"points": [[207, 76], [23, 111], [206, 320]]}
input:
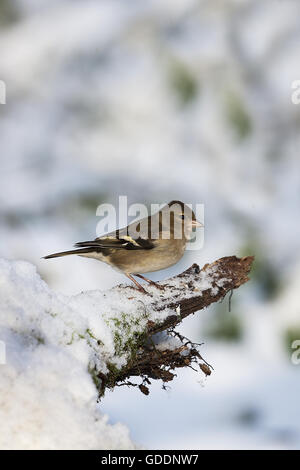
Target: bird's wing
{"points": [[118, 240], [136, 236]]}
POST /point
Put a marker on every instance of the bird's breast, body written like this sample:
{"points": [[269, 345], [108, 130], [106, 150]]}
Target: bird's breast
{"points": [[162, 256]]}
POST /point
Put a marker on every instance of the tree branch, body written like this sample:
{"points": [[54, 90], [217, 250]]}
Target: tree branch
{"points": [[160, 350]]}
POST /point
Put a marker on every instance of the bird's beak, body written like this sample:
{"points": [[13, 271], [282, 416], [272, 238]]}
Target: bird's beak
{"points": [[196, 223]]}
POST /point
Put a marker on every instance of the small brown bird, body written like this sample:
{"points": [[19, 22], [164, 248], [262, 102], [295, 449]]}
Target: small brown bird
{"points": [[150, 244]]}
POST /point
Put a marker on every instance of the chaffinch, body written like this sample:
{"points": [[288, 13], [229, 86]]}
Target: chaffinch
{"points": [[150, 244]]}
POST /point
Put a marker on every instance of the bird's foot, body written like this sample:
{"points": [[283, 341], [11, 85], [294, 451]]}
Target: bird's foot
{"points": [[138, 285], [141, 289], [152, 283], [158, 286]]}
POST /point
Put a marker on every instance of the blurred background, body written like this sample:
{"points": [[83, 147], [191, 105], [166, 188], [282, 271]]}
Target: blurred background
{"points": [[159, 101]]}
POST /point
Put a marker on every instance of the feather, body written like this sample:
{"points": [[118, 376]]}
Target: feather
{"points": [[71, 252], [125, 243]]}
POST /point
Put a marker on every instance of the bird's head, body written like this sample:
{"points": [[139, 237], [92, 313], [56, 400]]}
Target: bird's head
{"points": [[182, 219]]}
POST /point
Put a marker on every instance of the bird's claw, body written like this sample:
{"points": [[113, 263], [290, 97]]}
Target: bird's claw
{"points": [[158, 286]]}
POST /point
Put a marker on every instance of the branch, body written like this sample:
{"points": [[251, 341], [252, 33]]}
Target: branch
{"points": [[157, 352]]}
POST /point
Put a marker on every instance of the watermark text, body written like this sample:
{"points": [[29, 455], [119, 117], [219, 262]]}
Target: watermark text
{"points": [[2, 92], [2, 352]]}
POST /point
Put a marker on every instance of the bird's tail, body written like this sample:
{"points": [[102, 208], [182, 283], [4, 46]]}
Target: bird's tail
{"points": [[71, 252]]}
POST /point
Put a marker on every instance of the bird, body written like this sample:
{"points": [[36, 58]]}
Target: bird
{"points": [[150, 244]]}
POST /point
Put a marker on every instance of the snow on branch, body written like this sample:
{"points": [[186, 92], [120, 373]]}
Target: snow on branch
{"points": [[156, 351]]}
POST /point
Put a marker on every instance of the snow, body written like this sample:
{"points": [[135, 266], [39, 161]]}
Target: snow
{"points": [[165, 342], [48, 399]]}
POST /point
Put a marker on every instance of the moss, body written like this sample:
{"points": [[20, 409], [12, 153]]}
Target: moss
{"points": [[95, 376], [126, 338], [128, 335], [89, 333], [111, 378], [113, 369], [134, 342], [74, 337], [118, 343], [130, 347]]}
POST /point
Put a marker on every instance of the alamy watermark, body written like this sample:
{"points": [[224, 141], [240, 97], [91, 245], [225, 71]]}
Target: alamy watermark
{"points": [[2, 353], [295, 358], [175, 221], [2, 92], [295, 96]]}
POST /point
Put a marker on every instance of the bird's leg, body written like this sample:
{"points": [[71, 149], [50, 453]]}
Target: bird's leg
{"points": [[140, 288], [150, 282]]}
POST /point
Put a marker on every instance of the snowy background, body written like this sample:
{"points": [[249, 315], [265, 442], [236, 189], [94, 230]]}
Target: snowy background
{"points": [[157, 101]]}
